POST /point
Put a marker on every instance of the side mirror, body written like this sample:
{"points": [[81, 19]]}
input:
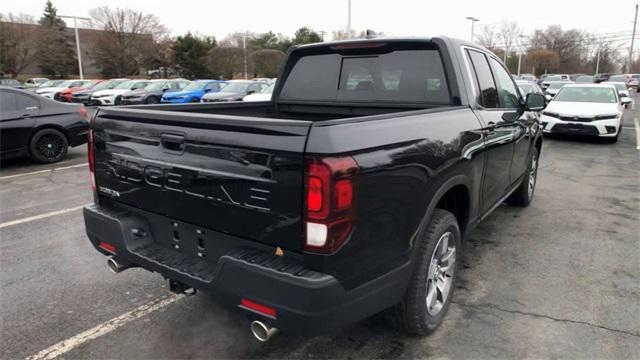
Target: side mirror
{"points": [[535, 102], [207, 90], [251, 92], [164, 89]]}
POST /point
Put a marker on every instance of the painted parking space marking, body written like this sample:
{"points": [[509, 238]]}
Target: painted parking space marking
{"points": [[42, 171], [635, 120], [41, 216], [104, 328]]}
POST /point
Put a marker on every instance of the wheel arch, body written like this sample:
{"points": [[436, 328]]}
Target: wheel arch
{"points": [[37, 128]]}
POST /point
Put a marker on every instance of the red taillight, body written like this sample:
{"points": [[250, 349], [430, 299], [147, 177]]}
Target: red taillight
{"points": [[108, 247], [259, 308], [92, 161], [330, 203]]}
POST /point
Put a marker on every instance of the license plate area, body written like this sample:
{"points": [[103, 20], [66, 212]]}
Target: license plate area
{"points": [[188, 239]]}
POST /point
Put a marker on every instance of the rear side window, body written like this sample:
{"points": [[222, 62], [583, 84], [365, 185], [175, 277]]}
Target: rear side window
{"points": [[25, 102], [409, 76], [8, 101], [488, 96], [213, 86]]}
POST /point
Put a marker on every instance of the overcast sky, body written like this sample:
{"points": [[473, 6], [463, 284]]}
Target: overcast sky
{"points": [[394, 17]]}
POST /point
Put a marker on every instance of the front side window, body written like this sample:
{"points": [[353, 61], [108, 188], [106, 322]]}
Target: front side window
{"points": [[507, 92], [488, 96]]}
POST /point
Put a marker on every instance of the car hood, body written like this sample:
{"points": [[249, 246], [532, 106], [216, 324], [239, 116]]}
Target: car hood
{"points": [[581, 108], [257, 97], [183, 93], [110, 92], [50, 89], [223, 96]]}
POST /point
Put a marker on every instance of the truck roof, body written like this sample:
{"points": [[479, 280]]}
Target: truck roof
{"points": [[449, 40]]}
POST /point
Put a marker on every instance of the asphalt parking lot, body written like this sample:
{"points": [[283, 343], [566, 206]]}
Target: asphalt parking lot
{"points": [[559, 279]]}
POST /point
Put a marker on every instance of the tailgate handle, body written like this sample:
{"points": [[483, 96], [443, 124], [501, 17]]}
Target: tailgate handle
{"points": [[174, 143]]}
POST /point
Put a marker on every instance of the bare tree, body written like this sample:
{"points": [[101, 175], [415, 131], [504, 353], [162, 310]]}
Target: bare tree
{"points": [[18, 37], [509, 33], [267, 62], [488, 36], [543, 60], [226, 61], [342, 34], [128, 40]]}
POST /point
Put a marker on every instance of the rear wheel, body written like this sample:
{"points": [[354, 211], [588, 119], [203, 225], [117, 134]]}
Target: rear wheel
{"points": [[48, 146], [195, 100], [152, 100], [523, 195], [431, 287]]}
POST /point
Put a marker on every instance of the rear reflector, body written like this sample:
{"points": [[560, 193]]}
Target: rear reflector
{"points": [[108, 247], [92, 160], [259, 308]]}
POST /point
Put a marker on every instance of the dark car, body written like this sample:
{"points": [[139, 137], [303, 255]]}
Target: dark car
{"points": [[39, 127], [347, 194], [602, 77], [235, 90], [84, 96], [152, 93]]}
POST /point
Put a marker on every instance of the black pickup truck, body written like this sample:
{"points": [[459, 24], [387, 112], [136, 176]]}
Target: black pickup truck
{"points": [[347, 194]]}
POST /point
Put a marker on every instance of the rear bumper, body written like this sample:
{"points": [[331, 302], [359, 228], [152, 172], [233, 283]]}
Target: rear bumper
{"points": [[305, 301]]}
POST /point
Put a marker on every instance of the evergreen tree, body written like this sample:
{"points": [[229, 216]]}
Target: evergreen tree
{"points": [[189, 53], [56, 55]]}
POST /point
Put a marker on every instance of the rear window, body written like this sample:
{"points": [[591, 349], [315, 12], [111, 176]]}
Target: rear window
{"points": [[408, 76]]}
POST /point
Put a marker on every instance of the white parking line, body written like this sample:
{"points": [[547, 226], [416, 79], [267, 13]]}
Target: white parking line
{"points": [[104, 328], [42, 171], [635, 120], [41, 216]]}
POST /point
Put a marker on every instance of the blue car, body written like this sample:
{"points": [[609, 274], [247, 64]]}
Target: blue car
{"points": [[193, 92]]}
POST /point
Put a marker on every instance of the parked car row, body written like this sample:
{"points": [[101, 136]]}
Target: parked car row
{"points": [[126, 91]]}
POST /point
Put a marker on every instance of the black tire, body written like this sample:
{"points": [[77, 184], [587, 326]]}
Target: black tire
{"points": [[152, 100], [117, 100], [48, 146], [412, 314], [523, 195], [194, 100]]}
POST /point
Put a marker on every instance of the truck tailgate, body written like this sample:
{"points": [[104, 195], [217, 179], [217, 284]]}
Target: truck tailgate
{"points": [[237, 175]]}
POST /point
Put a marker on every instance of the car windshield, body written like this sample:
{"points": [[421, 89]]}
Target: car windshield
{"points": [[618, 78], [89, 85], [586, 94], [103, 85], [236, 87], [526, 88], [553, 78], [196, 85], [50, 83], [156, 85], [586, 79], [620, 87], [125, 85], [557, 85], [268, 89], [65, 83]]}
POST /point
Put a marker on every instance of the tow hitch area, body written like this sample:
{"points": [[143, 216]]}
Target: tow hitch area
{"points": [[180, 288]]}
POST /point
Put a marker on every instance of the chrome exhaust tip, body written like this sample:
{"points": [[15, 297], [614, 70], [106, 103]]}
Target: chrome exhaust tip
{"points": [[262, 331], [115, 266]]}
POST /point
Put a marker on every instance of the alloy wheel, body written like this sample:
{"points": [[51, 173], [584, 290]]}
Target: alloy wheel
{"points": [[441, 271]]}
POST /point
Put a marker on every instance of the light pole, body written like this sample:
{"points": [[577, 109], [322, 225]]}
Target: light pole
{"points": [[473, 21], [75, 27], [520, 53], [349, 21], [244, 55]]}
